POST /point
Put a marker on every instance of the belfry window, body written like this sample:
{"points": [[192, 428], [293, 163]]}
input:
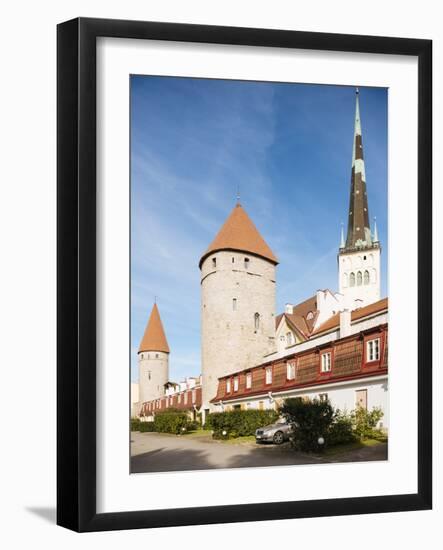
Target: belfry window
{"points": [[366, 277], [256, 321], [352, 279], [359, 278]]}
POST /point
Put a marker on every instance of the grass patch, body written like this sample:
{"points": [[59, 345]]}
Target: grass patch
{"points": [[200, 432], [355, 446], [241, 439]]}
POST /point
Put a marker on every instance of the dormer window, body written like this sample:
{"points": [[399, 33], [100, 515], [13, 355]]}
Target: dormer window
{"points": [[289, 339], [309, 316], [214, 262], [326, 362], [290, 370]]}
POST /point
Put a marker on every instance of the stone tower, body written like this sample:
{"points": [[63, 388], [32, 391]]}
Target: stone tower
{"points": [[359, 255], [153, 359], [237, 301]]}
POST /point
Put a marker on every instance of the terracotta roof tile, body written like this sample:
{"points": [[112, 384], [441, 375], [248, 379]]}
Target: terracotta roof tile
{"points": [[154, 338], [239, 233], [366, 311]]}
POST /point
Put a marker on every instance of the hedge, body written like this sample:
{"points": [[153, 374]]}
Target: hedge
{"points": [[135, 424], [311, 421], [239, 423]]}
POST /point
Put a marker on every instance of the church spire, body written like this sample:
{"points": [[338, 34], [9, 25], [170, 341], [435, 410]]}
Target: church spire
{"points": [[359, 230]]}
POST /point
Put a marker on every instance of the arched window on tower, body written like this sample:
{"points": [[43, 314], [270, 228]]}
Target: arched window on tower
{"points": [[366, 277], [246, 263], [359, 278], [352, 279], [214, 262], [256, 321]]}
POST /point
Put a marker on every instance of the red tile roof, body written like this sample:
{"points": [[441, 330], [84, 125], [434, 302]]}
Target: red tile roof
{"points": [[366, 311], [154, 338], [239, 233]]}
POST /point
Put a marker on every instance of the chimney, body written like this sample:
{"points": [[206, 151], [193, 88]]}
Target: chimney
{"points": [[289, 308], [345, 323]]}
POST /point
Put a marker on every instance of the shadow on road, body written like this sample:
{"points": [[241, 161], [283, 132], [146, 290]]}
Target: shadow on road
{"points": [[170, 460]]}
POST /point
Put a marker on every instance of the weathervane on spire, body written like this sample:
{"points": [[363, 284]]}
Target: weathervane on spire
{"points": [[238, 194]]}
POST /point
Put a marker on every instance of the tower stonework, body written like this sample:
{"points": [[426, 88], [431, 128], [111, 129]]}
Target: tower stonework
{"points": [[238, 273], [153, 359], [359, 256]]}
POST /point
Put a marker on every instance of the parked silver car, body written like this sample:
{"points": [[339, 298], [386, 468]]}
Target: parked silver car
{"points": [[276, 433]]}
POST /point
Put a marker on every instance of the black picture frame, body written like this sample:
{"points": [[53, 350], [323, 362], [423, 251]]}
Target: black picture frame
{"points": [[76, 266]]}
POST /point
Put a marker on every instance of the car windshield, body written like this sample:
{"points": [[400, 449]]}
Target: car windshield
{"points": [[281, 421]]}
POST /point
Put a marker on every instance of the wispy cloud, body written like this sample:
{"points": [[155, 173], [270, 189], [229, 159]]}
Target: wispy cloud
{"points": [[194, 143]]}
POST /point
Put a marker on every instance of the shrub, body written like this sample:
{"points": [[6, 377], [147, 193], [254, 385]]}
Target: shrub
{"points": [[239, 423], [135, 424], [341, 430], [310, 421], [192, 426], [171, 422], [365, 422], [147, 427]]}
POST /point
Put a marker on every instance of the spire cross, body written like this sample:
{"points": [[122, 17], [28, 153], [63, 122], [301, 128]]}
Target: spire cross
{"points": [[238, 194]]}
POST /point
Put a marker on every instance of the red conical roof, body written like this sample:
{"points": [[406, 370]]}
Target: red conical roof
{"points": [[239, 233], [154, 338]]}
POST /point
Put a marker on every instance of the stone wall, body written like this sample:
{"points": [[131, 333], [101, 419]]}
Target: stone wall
{"points": [[233, 291]]}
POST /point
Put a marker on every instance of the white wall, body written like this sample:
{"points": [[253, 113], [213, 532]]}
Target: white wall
{"points": [[342, 396], [27, 281]]}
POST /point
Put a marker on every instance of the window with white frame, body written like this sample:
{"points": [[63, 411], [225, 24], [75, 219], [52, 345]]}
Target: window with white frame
{"points": [[186, 398], [323, 396], [290, 370], [228, 385], [236, 383], [268, 375], [326, 362], [289, 339], [373, 350], [248, 380]]}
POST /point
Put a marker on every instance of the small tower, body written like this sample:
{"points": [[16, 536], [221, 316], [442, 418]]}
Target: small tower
{"points": [[153, 359], [237, 301], [359, 256]]}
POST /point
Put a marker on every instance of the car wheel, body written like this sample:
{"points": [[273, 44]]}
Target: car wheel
{"points": [[278, 438]]}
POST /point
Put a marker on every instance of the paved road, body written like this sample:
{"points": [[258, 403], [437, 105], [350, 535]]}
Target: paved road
{"points": [[153, 452]]}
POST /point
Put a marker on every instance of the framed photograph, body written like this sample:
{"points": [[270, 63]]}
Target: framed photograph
{"points": [[244, 274]]}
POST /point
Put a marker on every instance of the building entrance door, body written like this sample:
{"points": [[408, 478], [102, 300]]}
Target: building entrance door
{"points": [[361, 399]]}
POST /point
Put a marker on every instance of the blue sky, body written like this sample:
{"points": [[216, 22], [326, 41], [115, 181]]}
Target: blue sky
{"points": [[288, 147]]}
